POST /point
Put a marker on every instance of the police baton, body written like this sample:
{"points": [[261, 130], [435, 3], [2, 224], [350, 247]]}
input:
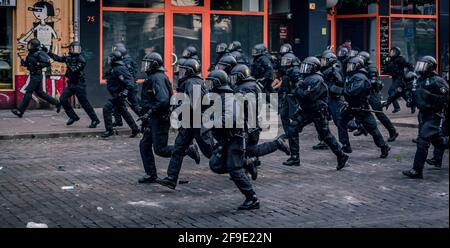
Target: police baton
{"points": [[368, 110]]}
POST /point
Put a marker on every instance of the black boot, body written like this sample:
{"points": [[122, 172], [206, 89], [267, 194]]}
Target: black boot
{"points": [[58, 107], [193, 153], [360, 132], [107, 133], [385, 151], [396, 110], [17, 113], [94, 124], [293, 161], [250, 203], [168, 182], [283, 145], [347, 149], [71, 121], [148, 179], [250, 164], [413, 174], [135, 133], [435, 162], [342, 162], [320, 146], [393, 137], [414, 141], [118, 124]]}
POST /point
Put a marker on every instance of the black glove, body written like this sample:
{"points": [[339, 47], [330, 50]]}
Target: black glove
{"points": [[123, 94]]}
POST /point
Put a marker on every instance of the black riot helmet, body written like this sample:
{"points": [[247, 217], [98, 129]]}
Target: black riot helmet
{"points": [[343, 53], [115, 57], [310, 65], [227, 63], [355, 64], [240, 73], [289, 60], [258, 50], [365, 56], [122, 50], [328, 59], [189, 68], [176, 68], [152, 62], [217, 79], [395, 52], [120, 46], [75, 47], [189, 52], [285, 48], [410, 76], [221, 48], [33, 45], [235, 46], [353, 53], [426, 65]]}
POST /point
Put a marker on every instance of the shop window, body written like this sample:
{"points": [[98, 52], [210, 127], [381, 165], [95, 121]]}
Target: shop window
{"points": [[134, 3], [6, 49], [141, 33], [352, 7], [227, 28], [279, 7], [191, 3], [416, 37], [362, 40], [416, 7], [238, 5]]}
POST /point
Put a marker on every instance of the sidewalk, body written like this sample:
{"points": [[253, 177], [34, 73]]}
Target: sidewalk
{"points": [[49, 124]]}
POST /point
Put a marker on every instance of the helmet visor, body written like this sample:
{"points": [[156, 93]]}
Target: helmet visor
{"points": [[211, 83], [284, 49], [182, 72], [306, 68], [233, 79], [186, 54], [342, 53], [353, 53], [221, 67], [75, 49], [421, 66], [393, 53], [323, 62], [146, 65], [351, 67], [220, 49], [286, 61]]}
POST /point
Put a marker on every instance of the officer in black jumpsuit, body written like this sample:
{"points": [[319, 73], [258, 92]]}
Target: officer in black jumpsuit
{"points": [[235, 49], [375, 98], [431, 97], [36, 61], [76, 84], [396, 68], [312, 93], [290, 73], [221, 51], [189, 78], [356, 93], [262, 68], [226, 63], [155, 105], [132, 95], [343, 56], [119, 84]]}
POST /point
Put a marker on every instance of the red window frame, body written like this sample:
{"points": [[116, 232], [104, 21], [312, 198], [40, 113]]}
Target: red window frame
{"points": [[169, 10]]}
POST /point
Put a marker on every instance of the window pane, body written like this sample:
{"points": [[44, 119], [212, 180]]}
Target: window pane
{"points": [[134, 3], [363, 40], [419, 7], [227, 28], [416, 37], [141, 33], [238, 5], [187, 2], [355, 7], [279, 7], [6, 49]]}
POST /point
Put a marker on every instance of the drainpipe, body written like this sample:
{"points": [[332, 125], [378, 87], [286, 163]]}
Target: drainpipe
{"points": [[76, 19]]}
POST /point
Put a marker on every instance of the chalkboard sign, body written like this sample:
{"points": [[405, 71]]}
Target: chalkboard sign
{"points": [[7, 3], [384, 41]]}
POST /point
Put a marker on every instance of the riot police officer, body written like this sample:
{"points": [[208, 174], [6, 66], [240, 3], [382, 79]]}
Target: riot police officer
{"points": [[191, 52], [189, 78], [343, 56], [396, 68], [119, 84], [290, 71], [227, 63], [262, 68], [36, 62], [76, 84], [405, 91], [431, 98], [132, 98], [155, 95], [356, 93], [375, 97], [235, 48], [221, 51], [311, 93]]}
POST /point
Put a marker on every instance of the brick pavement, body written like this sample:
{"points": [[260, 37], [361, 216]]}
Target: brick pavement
{"points": [[370, 193]]}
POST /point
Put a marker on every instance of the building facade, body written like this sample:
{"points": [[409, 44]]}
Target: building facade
{"points": [[419, 27]]}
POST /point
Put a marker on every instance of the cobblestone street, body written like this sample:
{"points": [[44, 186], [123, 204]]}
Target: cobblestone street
{"points": [[370, 193]]}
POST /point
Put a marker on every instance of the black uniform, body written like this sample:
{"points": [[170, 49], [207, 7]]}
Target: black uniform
{"points": [[119, 83], [431, 97], [356, 93], [155, 100], [312, 95], [396, 68], [131, 65], [35, 62], [262, 70], [76, 85]]}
